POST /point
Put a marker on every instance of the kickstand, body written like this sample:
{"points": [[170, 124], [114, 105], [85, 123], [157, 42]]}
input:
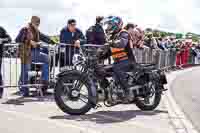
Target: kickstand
{"points": [[1, 93]]}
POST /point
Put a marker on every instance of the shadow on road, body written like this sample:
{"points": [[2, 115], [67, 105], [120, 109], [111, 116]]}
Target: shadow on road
{"points": [[33, 98], [106, 117]]}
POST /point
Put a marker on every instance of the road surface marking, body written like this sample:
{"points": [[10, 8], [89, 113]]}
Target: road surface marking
{"points": [[176, 115]]}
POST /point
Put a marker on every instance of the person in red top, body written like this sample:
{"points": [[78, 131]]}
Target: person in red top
{"points": [[179, 55], [187, 47]]}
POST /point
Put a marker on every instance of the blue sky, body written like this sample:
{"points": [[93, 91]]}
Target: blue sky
{"points": [[169, 15]]}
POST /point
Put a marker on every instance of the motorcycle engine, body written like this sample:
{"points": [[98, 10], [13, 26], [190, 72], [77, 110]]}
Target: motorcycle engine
{"points": [[146, 80], [115, 92]]}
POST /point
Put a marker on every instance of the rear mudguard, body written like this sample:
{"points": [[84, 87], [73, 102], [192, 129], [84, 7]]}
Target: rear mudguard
{"points": [[84, 77], [158, 76]]}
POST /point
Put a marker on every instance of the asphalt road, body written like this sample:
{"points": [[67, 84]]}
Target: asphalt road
{"points": [[30, 115], [186, 92]]}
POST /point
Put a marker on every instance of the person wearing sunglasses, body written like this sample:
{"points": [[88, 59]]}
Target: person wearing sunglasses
{"points": [[70, 34]]}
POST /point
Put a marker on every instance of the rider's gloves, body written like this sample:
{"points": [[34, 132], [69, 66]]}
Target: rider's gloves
{"points": [[111, 43]]}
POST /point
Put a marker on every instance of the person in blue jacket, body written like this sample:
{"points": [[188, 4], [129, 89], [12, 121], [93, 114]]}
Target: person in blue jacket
{"points": [[70, 35]]}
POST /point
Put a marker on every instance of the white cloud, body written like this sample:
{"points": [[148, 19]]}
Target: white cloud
{"points": [[171, 15]]}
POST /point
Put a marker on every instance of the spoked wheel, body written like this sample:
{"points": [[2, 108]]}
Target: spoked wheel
{"points": [[152, 100], [72, 94]]}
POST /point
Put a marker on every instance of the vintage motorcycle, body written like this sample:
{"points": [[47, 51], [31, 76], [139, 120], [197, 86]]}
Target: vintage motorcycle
{"points": [[77, 86]]}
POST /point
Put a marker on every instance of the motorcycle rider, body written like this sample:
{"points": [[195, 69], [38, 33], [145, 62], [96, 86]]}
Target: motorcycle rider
{"points": [[5, 39], [120, 50]]}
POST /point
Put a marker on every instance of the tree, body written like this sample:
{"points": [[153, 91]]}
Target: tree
{"points": [[179, 35], [193, 36], [163, 34]]}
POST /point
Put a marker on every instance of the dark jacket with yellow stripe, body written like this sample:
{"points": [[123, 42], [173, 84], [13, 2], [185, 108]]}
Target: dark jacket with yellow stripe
{"points": [[120, 48]]}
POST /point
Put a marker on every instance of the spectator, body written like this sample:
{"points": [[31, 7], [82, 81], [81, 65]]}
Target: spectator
{"points": [[159, 40], [5, 39], [150, 41], [173, 54], [193, 54], [136, 35], [95, 34], [29, 51], [187, 47], [163, 44], [179, 55], [197, 51], [70, 35], [168, 44]]}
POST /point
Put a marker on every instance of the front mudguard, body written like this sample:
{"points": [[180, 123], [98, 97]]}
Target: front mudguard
{"points": [[66, 72], [84, 77]]}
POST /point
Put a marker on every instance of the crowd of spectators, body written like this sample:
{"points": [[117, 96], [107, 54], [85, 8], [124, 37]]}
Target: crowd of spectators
{"points": [[185, 51]]}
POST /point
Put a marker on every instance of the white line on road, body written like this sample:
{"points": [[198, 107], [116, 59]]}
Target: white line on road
{"points": [[178, 118]]}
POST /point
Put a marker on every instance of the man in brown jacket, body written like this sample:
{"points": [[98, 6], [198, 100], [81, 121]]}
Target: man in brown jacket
{"points": [[29, 51]]}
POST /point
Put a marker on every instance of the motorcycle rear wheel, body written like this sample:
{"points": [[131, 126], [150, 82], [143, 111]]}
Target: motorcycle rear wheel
{"points": [[157, 94]]}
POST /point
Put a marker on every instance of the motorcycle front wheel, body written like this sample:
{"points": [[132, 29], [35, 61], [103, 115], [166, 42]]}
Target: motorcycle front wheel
{"points": [[72, 94]]}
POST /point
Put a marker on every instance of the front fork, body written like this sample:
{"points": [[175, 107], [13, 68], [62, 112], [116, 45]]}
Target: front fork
{"points": [[93, 86]]}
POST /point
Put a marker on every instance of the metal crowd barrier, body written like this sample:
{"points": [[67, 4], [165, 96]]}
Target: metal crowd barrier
{"points": [[11, 66], [60, 58], [162, 59]]}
